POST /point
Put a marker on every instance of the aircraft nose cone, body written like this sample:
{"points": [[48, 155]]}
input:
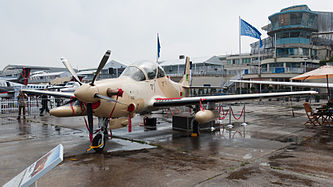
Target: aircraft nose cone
{"points": [[86, 93]]}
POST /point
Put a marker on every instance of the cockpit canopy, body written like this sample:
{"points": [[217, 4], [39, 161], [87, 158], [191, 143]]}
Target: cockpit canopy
{"points": [[144, 71]]}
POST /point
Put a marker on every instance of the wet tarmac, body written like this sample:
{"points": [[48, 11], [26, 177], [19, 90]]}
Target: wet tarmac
{"points": [[274, 149]]}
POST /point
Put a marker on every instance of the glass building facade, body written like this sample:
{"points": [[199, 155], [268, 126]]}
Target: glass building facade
{"points": [[292, 28], [298, 39]]}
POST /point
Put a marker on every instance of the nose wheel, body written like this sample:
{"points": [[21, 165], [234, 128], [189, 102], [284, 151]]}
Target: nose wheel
{"points": [[99, 143]]}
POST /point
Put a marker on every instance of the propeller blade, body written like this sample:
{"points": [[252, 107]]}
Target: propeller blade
{"points": [[101, 65], [107, 98], [90, 120], [71, 70]]}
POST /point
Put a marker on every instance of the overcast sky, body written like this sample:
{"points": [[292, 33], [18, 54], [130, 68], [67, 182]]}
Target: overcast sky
{"points": [[39, 32]]}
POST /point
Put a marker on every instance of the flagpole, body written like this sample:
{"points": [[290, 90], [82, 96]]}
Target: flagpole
{"points": [[275, 47], [259, 67], [240, 50], [157, 49]]}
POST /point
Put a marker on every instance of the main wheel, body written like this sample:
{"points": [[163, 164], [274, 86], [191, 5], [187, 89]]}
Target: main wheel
{"points": [[97, 141]]}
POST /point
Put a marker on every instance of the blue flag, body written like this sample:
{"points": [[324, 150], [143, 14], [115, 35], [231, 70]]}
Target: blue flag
{"points": [[158, 46], [249, 30]]}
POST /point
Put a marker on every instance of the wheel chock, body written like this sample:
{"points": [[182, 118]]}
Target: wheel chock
{"points": [[93, 147]]}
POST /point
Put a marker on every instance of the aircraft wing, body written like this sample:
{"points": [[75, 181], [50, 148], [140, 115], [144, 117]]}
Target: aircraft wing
{"points": [[51, 93], [204, 87], [300, 84], [159, 102]]}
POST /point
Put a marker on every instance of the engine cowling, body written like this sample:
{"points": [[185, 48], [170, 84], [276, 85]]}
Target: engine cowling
{"points": [[205, 116]]}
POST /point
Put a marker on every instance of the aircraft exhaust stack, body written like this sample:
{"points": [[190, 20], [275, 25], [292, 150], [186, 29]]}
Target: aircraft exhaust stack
{"points": [[67, 111]]}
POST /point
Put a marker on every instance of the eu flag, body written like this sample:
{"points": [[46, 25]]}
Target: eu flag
{"points": [[249, 30]]}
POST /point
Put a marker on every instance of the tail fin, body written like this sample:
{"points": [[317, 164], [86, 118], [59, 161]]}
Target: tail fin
{"points": [[24, 76], [187, 79]]}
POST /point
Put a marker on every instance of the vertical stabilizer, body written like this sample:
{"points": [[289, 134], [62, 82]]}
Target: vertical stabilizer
{"points": [[24, 76], [187, 79]]}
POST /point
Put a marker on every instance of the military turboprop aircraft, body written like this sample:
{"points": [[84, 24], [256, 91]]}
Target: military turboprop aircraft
{"points": [[141, 88]]}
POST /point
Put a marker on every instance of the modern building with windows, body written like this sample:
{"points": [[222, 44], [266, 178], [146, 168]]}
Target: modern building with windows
{"points": [[298, 39]]}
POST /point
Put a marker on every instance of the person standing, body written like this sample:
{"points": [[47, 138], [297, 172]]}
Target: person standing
{"points": [[21, 98], [44, 105]]}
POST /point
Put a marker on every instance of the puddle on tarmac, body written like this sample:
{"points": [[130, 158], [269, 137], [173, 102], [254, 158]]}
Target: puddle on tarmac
{"points": [[27, 129], [126, 145]]}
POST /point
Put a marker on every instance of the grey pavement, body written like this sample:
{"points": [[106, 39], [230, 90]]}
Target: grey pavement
{"points": [[274, 149]]}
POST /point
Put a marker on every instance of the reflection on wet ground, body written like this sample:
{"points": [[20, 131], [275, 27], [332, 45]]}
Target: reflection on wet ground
{"points": [[273, 149], [28, 129]]}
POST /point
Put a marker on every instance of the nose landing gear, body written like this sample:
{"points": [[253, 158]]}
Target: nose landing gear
{"points": [[99, 140]]}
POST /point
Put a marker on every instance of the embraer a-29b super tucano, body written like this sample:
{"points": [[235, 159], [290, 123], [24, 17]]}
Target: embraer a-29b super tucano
{"points": [[141, 88]]}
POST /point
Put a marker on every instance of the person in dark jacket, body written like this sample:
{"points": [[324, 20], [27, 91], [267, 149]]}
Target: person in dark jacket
{"points": [[21, 98], [44, 105]]}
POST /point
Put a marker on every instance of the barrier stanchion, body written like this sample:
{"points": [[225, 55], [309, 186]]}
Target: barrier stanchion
{"points": [[244, 113], [229, 115]]}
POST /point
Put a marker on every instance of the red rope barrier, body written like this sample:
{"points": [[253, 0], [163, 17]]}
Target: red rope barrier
{"points": [[171, 111], [237, 118], [201, 107], [224, 115]]}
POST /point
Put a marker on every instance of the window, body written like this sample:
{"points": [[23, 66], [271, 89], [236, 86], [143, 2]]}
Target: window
{"points": [[311, 21], [295, 18], [283, 19], [275, 22], [302, 34], [246, 60], [160, 73], [111, 71], [282, 52], [283, 35], [276, 65], [294, 34], [293, 51], [134, 73], [305, 51], [149, 67]]}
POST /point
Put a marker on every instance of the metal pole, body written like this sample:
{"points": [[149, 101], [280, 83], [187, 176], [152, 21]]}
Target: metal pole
{"points": [[229, 115], [275, 46], [157, 48], [240, 51], [259, 68], [328, 89], [240, 43], [244, 114]]}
